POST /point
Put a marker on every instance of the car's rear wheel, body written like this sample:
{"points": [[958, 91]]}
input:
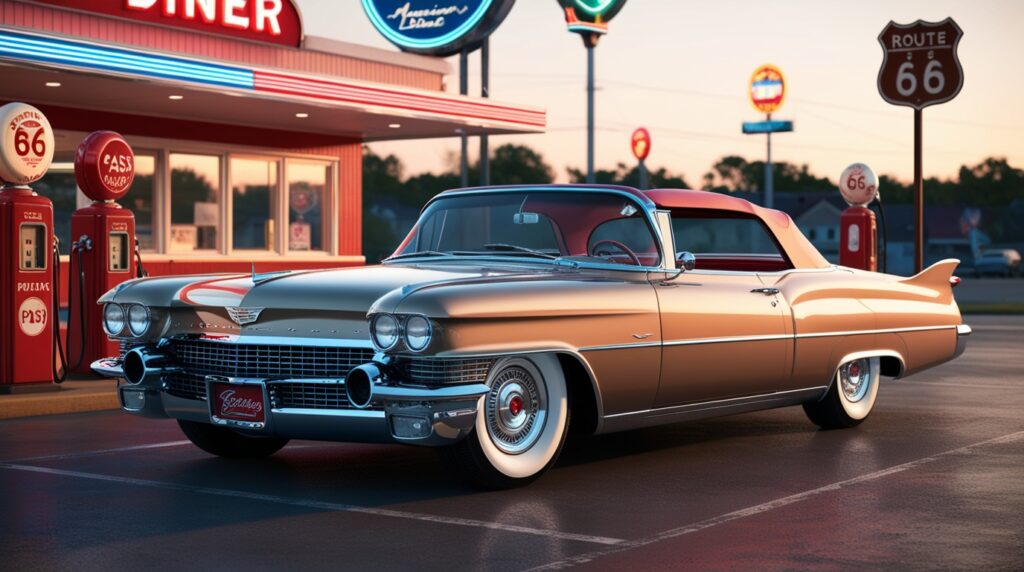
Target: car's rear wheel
{"points": [[520, 427], [224, 442], [851, 398]]}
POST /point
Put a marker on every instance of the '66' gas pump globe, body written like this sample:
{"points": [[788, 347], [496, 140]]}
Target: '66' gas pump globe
{"points": [[27, 316], [857, 229], [858, 185]]}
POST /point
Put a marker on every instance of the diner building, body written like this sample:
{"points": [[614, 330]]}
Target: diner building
{"points": [[248, 134]]}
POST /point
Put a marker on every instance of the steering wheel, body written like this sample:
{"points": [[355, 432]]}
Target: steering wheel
{"points": [[594, 251]]}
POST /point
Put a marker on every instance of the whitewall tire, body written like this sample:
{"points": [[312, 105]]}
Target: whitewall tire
{"points": [[851, 397], [521, 424]]}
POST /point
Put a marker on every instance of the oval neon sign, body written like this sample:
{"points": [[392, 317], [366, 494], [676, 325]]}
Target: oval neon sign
{"points": [[437, 28]]}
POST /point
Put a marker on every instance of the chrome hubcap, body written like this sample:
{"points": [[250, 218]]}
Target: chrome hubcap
{"points": [[515, 410], [854, 379]]}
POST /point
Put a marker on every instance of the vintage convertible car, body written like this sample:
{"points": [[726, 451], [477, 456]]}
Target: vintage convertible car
{"points": [[508, 310]]}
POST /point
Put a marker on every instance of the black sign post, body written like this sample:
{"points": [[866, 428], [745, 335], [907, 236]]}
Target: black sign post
{"points": [[920, 67], [589, 19]]}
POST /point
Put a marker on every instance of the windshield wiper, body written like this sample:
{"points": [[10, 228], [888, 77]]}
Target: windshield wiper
{"points": [[419, 253], [501, 247]]}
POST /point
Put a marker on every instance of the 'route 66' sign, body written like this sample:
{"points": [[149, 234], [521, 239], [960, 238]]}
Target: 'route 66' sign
{"points": [[920, 67]]}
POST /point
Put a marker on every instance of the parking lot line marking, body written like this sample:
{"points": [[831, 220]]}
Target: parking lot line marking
{"points": [[319, 505], [772, 505], [82, 454], [945, 384]]}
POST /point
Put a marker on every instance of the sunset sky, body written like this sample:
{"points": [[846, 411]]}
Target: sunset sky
{"points": [[680, 68]]}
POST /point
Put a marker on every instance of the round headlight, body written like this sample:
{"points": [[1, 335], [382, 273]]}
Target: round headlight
{"points": [[138, 319], [417, 333], [113, 319], [384, 331]]}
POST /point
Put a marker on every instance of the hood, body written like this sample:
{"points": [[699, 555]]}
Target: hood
{"points": [[345, 289]]}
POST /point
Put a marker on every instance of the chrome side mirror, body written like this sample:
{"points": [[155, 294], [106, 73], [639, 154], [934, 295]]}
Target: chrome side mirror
{"points": [[686, 260]]}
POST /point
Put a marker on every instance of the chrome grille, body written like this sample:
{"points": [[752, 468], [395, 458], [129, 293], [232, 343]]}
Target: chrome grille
{"points": [[185, 385], [205, 357], [310, 396], [445, 370]]}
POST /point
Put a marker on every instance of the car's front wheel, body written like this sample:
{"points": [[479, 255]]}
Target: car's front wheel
{"points": [[224, 442], [851, 397], [521, 425]]}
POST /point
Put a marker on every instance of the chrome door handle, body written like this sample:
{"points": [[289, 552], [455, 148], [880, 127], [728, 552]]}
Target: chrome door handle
{"points": [[766, 291]]}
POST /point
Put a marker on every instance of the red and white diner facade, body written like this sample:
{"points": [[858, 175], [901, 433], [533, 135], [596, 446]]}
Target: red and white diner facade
{"points": [[248, 135]]}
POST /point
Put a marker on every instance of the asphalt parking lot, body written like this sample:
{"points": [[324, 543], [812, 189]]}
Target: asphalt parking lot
{"points": [[933, 480]]}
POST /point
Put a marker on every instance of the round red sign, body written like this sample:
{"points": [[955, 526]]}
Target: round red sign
{"points": [[640, 143], [767, 89], [104, 166]]}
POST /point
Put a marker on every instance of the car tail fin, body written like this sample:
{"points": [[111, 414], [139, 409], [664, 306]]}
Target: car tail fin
{"points": [[937, 276]]}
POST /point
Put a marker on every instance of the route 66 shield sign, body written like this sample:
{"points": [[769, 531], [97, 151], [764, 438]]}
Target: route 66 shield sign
{"points": [[920, 66]]}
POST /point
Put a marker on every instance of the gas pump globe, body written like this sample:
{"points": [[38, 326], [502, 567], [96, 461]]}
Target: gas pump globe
{"points": [[857, 229], [28, 322]]}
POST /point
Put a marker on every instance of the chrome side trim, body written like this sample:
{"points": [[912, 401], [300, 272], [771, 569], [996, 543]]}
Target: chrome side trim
{"points": [[693, 411], [764, 338], [876, 331], [963, 330], [768, 337], [620, 346], [716, 403]]}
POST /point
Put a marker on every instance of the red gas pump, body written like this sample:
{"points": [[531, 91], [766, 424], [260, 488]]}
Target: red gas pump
{"points": [[857, 229], [102, 254], [27, 285]]}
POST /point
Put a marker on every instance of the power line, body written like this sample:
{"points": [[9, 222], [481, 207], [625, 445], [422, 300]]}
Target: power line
{"points": [[723, 96]]}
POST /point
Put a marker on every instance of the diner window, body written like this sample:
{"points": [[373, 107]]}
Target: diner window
{"points": [[195, 202], [309, 188], [254, 184], [139, 200], [58, 185]]}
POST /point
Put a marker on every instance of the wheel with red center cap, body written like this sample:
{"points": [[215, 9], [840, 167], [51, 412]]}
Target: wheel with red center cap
{"points": [[520, 426], [850, 398]]}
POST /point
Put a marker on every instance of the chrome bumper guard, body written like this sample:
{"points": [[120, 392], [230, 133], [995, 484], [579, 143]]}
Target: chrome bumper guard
{"points": [[411, 414], [962, 331]]}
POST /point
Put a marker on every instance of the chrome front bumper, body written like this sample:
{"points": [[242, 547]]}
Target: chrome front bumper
{"points": [[401, 413]]}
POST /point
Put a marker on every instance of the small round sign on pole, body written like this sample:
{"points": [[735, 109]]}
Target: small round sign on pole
{"points": [[26, 145], [104, 166], [640, 144], [858, 184], [767, 89]]}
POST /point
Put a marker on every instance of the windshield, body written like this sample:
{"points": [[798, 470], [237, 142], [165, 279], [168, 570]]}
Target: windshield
{"points": [[579, 226]]}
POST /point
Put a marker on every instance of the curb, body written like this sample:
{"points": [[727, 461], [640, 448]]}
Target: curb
{"points": [[73, 397]]}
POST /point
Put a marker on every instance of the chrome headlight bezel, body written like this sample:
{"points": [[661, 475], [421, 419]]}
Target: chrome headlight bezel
{"points": [[417, 322], [145, 319], [375, 326], [114, 314]]}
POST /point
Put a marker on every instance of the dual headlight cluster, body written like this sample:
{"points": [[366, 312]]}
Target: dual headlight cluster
{"points": [[413, 330], [135, 316]]}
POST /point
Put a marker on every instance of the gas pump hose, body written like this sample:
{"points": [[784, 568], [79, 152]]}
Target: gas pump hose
{"points": [[59, 373], [76, 248]]}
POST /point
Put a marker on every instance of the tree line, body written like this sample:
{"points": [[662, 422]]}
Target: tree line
{"points": [[391, 196]]}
